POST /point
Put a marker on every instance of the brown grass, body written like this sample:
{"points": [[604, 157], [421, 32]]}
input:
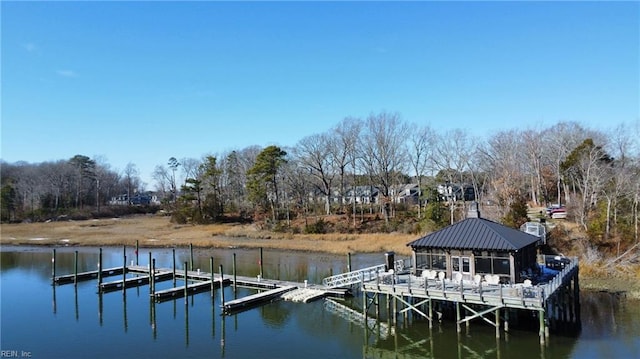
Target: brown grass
{"points": [[155, 231]]}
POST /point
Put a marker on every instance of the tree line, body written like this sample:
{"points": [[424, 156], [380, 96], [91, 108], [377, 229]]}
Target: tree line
{"points": [[594, 173]]}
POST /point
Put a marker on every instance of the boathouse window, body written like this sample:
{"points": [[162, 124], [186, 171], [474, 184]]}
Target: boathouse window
{"points": [[438, 261], [501, 266], [492, 263], [432, 261]]}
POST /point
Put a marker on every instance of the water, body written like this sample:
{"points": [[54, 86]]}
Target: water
{"points": [[42, 321]]}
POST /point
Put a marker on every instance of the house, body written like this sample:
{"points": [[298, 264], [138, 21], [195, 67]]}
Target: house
{"points": [[407, 193], [476, 247], [138, 199], [456, 191], [362, 195]]}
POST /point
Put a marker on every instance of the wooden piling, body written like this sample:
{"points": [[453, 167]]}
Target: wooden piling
{"points": [[99, 269], [173, 250], [124, 269], [261, 264], [430, 314], [191, 256], [506, 320], [234, 273], [349, 262], [458, 317], [186, 282], [497, 322], [152, 278], [137, 248], [222, 286], [75, 268], [364, 298], [211, 271], [542, 329], [53, 267]]}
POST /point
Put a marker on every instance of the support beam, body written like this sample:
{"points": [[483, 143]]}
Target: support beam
{"points": [[481, 314]]}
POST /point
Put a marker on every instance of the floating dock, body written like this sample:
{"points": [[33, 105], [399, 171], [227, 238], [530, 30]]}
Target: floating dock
{"points": [[86, 276], [198, 282], [135, 281], [251, 301]]}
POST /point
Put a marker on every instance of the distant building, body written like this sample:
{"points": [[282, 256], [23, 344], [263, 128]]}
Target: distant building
{"points": [[138, 199], [456, 191], [406, 193]]}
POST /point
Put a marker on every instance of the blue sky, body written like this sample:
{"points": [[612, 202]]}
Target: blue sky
{"points": [[141, 82]]}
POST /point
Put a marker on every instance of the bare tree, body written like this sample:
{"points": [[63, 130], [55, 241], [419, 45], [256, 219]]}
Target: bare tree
{"points": [[588, 167], [421, 145], [451, 157], [558, 142], [533, 150], [503, 160], [131, 179], [313, 152], [345, 151], [190, 167], [384, 152], [162, 176]]}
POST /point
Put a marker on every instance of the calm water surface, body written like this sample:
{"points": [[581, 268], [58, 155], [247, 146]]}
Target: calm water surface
{"points": [[43, 321]]}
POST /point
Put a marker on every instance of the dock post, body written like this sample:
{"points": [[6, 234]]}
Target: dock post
{"points": [[221, 287], [349, 262], [186, 298], [364, 299], [542, 329], [173, 250], [234, 273], [124, 269], [430, 314], [497, 322], [149, 262], [458, 317], [191, 256], [152, 276], [99, 269], [137, 248], [53, 267], [211, 270], [75, 268], [506, 320], [261, 265]]}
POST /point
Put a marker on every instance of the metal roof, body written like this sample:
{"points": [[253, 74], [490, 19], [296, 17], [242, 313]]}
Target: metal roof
{"points": [[476, 234]]}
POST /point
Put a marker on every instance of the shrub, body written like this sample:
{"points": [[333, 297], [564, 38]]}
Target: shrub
{"points": [[320, 227]]}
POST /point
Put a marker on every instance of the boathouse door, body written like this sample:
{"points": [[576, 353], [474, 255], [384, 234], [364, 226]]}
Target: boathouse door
{"points": [[461, 264]]}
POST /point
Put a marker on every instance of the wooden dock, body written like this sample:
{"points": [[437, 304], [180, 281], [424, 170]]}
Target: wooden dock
{"points": [[270, 289], [194, 288], [137, 281], [253, 300], [86, 276]]}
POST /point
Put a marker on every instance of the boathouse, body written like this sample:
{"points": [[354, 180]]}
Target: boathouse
{"points": [[476, 249]]}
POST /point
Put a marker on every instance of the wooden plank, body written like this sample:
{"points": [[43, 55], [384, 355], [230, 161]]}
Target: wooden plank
{"points": [[255, 299]]}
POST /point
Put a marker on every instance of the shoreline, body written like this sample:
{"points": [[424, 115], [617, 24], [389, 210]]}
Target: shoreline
{"points": [[154, 231], [158, 232]]}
